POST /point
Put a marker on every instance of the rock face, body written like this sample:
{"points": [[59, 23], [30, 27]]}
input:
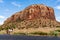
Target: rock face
{"points": [[37, 15], [33, 12]]}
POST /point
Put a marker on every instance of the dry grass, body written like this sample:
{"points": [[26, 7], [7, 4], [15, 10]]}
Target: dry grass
{"points": [[3, 32], [47, 30], [31, 30]]}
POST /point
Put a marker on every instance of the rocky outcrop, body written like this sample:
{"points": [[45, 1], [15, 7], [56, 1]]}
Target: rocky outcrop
{"points": [[33, 12], [37, 15]]}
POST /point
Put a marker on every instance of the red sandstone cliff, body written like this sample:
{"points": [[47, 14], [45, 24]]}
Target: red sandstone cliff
{"points": [[33, 12]]}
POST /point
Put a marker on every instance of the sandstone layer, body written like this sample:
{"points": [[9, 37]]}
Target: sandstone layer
{"points": [[36, 15]]}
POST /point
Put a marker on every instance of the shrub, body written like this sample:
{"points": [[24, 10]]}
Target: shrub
{"points": [[18, 33], [57, 30], [6, 28], [57, 26], [1, 28], [39, 33], [55, 33], [13, 26]]}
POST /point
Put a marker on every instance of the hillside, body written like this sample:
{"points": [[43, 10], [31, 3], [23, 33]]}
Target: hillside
{"points": [[35, 16]]}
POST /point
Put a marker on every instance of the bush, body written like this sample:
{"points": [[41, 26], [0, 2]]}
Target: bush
{"points": [[57, 26], [6, 28], [1, 28], [57, 30], [55, 33], [13, 26], [39, 33], [18, 33]]}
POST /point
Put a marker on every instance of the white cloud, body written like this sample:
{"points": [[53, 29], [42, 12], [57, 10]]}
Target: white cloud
{"points": [[58, 18], [2, 17], [58, 7], [1, 23], [1, 1], [15, 4]]}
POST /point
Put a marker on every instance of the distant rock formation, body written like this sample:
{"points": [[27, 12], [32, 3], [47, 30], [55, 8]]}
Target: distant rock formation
{"points": [[38, 13]]}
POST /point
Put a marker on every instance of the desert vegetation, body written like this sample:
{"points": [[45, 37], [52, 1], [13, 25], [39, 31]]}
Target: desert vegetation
{"points": [[51, 33]]}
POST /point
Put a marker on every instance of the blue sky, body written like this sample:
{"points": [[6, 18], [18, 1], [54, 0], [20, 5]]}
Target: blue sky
{"points": [[9, 7]]}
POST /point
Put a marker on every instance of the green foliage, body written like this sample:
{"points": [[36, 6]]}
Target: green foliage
{"points": [[13, 26], [18, 33], [55, 33], [58, 26], [39, 33], [57, 30], [1, 28], [6, 28]]}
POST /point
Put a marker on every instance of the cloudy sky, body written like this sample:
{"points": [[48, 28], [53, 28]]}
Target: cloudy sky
{"points": [[9, 7]]}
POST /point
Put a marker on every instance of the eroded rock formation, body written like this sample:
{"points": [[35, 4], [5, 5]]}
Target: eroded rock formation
{"points": [[43, 16]]}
